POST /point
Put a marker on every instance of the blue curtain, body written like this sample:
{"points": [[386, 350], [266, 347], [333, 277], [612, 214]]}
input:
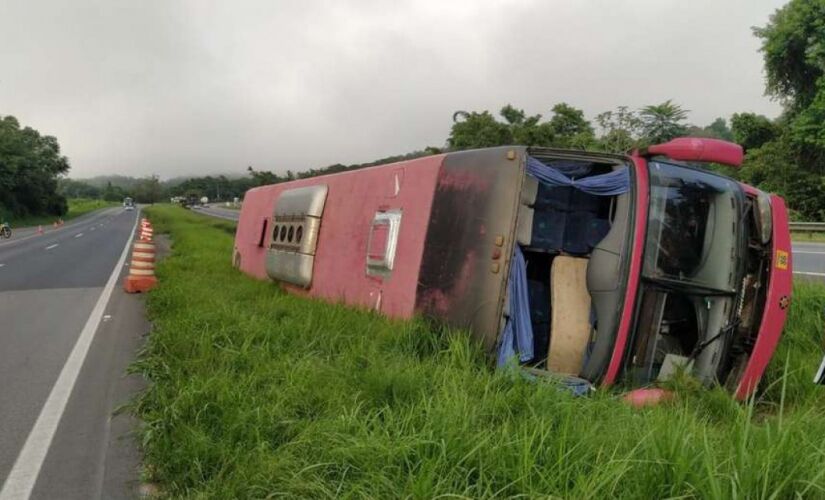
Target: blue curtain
{"points": [[517, 338], [610, 184]]}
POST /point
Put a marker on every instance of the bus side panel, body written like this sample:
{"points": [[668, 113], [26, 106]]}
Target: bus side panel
{"points": [[470, 241], [254, 227], [353, 199]]}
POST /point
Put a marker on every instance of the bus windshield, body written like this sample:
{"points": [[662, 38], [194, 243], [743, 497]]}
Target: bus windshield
{"points": [[693, 227]]}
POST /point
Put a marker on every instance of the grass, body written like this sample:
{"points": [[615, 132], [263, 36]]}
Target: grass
{"points": [[77, 207], [256, 393], [802, 236]]}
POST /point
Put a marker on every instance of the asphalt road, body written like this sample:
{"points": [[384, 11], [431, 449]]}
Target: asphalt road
{"points": [[809, 260], [217, 211], [61, 336]]}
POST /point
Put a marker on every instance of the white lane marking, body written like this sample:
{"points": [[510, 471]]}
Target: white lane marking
{"points": [[92, 229], [2, 265], [23, 475], [808, 274], [808, 252], [78, 235], [52, 246]]}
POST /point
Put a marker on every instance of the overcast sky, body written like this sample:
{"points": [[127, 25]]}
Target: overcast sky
{"points": [[196, 87]]}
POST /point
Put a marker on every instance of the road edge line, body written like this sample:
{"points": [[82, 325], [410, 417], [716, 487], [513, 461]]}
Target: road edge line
{"points": [[23, 476]]}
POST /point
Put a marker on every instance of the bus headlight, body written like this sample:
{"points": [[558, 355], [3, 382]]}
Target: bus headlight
{"points": [[764, 217]]}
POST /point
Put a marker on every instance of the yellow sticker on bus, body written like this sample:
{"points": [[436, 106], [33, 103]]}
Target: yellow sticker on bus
{"points": [[781, 259]]}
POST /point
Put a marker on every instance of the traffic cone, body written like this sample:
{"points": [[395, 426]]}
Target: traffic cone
{"points": [[146, 231], [141, 276], [40, 229]]}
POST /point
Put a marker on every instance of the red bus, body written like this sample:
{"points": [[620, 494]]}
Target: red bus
{"points": [[596, 268]]}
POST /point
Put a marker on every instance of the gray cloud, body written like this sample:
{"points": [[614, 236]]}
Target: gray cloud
{"points": [[204, 87]]}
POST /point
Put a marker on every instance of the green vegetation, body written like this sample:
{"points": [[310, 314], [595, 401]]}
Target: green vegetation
{"points": [[257, 393], [29, 166], [805, 236], [77, 207]]}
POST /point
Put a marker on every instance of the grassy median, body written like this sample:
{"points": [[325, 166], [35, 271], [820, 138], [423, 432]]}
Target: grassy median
{"points": [[256, 393]]}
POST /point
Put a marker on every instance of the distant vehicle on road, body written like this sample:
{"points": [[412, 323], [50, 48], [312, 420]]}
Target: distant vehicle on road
{"points": [[593, 267], [5, 230], [128, 203]]}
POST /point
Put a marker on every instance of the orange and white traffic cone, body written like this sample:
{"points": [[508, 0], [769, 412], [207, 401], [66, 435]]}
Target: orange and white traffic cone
{"points": [[141, 276], [146, 231], [39, 229]]}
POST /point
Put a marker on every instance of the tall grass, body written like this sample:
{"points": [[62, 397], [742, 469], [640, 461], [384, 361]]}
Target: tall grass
{"points": [[256, 393]]}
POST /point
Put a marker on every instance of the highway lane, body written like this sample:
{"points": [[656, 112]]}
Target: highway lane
{"points": [[21, 233], [809, 260], [222, 213], [49, 287]]}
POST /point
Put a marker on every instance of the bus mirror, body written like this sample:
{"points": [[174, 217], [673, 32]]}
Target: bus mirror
{"points": [[700, 150]]}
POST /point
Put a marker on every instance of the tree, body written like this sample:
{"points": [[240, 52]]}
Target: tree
{"points": [[620, 130], [718, 129], [788, 155], [262, 177], [793, 47], [30, 164], [566, 129], [751, 130], [112, 192], [526, 129], [662, 122], [148, 190], [807, 132], [569, 127], [71, 188], [477, 130]]}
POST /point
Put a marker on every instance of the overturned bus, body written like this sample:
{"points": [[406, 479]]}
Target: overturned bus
{"points": [[596, 267]]}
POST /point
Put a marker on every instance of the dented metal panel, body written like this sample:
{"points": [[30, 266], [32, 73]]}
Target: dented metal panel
{"points": [[296, 224]]}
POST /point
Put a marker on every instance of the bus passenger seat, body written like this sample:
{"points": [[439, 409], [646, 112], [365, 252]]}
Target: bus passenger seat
{"points": [[569, 315], [548, 229]]}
